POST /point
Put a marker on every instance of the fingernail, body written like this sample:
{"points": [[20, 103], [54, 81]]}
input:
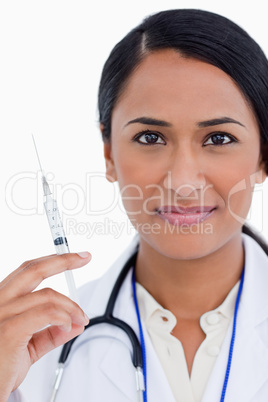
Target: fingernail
{"points": [[86, 318], [81, 319], [84, 254]]}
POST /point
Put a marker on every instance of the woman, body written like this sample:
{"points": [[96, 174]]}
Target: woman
{"points": [[183, 113]]}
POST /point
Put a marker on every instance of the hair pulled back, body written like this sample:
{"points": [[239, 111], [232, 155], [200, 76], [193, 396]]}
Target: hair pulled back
{"points": [[198, 34]]}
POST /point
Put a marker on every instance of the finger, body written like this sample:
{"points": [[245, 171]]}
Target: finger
{"points": [[35, 271], [44, 296], [50, 338], [17, 331], [20, 268]]}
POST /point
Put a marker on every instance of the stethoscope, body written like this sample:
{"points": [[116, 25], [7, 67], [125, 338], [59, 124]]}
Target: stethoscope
{"points": [[138, 354], [138, 346]]}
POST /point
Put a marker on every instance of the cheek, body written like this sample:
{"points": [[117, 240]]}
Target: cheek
{"points": [[134, 167], [234, 186], [239, 199], [139, 179]]}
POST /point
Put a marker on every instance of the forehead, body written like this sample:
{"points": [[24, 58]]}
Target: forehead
{"points": [[165, 82]]}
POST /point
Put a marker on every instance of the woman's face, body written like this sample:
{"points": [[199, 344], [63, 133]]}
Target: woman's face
{"points": [[185, 149]]}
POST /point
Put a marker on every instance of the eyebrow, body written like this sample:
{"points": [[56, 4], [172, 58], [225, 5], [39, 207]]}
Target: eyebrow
{"points": [[215, 122], [162, 123], [149, 121]]}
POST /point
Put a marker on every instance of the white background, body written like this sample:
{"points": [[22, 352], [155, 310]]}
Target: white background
{"points": [[52, 53]]}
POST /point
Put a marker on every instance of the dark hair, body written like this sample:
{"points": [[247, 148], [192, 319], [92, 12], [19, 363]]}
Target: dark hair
{"points": [[197, 34]]}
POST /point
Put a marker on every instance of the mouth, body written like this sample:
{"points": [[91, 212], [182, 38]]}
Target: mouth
{"points": [[177, 215]]}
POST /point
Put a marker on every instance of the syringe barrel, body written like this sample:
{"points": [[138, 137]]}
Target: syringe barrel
{"points": [[60, 240], [56, 227]]}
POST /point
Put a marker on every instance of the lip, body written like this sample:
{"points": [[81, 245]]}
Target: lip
{"points": [[177, 215]]}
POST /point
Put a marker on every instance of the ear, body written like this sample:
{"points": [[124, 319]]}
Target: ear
{"points": [[108, 155], [261, 174]]}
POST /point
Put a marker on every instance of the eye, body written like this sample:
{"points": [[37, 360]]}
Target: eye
{"points": [[149, 138], [220, 139]]}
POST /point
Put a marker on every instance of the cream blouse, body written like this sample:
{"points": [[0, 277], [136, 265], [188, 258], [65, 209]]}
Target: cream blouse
{"points": [[160, 323]]}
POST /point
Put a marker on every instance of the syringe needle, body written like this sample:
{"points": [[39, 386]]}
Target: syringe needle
{"points": [[46, 188], [37, 155]]}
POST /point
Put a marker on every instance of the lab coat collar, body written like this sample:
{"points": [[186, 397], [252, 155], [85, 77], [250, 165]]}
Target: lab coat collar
{"points": [[249, 369], [254, 299]]}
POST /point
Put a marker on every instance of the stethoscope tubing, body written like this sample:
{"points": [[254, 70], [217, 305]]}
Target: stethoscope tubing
{"points": [[108, 318]]}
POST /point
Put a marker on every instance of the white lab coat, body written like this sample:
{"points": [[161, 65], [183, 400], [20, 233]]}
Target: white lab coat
{"points": [[101, 370]]}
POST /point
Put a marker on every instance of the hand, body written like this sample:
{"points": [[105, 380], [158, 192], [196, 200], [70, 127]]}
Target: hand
{"points": [[33, 323]]}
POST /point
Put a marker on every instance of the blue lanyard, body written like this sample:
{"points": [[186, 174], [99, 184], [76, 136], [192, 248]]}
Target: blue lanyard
{"points": [[143, 350], [227, 373], [231, 348]]}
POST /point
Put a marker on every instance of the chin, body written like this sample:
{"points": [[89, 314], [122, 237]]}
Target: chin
{"points": [[183, 246]]}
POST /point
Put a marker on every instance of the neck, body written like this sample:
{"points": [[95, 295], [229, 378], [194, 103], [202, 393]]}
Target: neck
{"points": [[189, 288]]}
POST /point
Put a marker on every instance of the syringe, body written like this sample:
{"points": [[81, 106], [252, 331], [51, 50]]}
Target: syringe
{"points": [[57, 230]]}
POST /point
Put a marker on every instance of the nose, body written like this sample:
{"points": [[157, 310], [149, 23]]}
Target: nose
{"points": [[185, 174]]}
